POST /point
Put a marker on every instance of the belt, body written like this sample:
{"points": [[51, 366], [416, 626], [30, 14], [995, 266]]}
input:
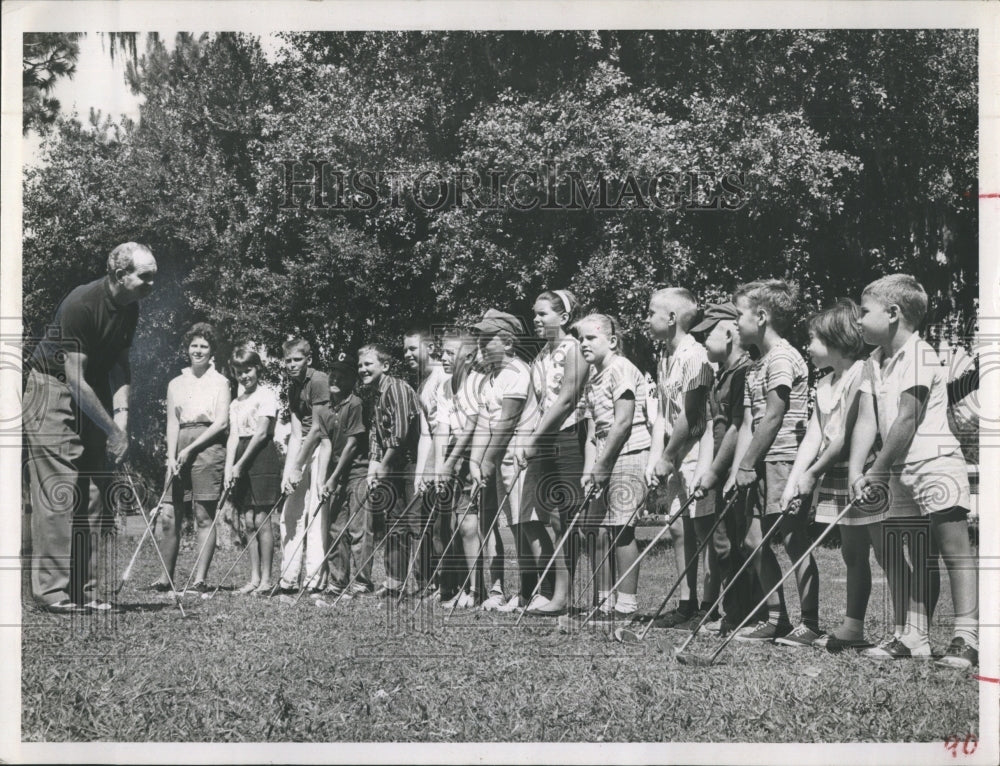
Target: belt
{"points": [[195, 425]]}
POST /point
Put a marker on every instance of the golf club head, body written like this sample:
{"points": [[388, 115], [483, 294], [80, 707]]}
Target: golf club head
{"points": [[695, 660], [664, 645], [627, 636]]}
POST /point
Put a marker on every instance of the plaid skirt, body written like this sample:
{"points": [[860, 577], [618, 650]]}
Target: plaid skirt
{"points": [[833, 496]]}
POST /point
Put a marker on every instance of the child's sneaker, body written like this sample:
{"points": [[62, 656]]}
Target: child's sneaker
{"points": [[452, 602], [712, 626], [764, 631], [494, 602], [959, 655], [798, 638], [516, 603], [892, 648], [672, 619], [465, 601]]}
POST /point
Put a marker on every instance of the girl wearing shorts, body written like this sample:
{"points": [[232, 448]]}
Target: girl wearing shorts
{"points": [[835, 344], [253, 466], [197, 418], [552, 456], [617, 449]]}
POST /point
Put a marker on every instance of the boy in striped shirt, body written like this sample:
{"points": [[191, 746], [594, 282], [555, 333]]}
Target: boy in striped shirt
{"points": [[774, 422]]}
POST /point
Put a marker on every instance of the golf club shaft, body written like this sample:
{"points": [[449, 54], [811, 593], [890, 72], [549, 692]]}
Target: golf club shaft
{"points": [[614, 542], [376, 549], [489, 531], [785, 576], [208, 535], [295, 551], [415, 554], [693, 561], [641, 556], [333, 546], [251, 541], [152, 525], [473, 499], [735, 578], [156, 546], [591, 494]]}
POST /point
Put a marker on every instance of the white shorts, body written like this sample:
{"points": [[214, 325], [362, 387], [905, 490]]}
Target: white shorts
{"points": [[927, 486]]}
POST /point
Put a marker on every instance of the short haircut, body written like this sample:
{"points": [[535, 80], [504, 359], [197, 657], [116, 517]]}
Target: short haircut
{"points": [[777, 296], [244, 356], [296, 344], [201, 330], [607, 323], [904, 291], [562, 300], [837, 327], [686, 303], [380, 352], [123, 257]]}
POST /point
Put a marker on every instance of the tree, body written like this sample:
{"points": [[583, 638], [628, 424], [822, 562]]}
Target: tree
{"points": [[45, 58]]}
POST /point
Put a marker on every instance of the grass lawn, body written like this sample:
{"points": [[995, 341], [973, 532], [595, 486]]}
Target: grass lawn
{"points": [[246, 669]]}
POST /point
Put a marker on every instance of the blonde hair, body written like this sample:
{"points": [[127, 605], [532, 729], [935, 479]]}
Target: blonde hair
{"points": [[902, 290], [777, 296], [687, 312]]}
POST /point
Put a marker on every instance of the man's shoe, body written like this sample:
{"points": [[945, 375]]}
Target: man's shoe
{"points": [[959, 655], [65, 606], [101, 607], [672, 619], [384, 591], [799, 638], [836, 645]]}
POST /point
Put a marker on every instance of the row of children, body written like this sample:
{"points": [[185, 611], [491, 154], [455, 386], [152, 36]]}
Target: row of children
{"points": [[572, 440]]}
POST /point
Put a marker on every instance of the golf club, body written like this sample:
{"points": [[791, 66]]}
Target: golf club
{"points": [[347, 588], [156, 545], [591, 494], [251, 541], [415, 555], [620, 633], [152, 525], [295, 551], [333, 546], [702, 661], [489, 532], [473, 499], [211, 528], [640, 557], [790, 509]]}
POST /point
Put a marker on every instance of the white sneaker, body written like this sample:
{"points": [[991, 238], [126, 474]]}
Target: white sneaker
{"points": [[494, 602], [514, 605], [465, 601], [452, 602], [539, 602]]}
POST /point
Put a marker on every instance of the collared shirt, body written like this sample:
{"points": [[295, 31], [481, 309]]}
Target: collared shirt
{"points": [[338, 421], [781, 366], [677, 374], [915, 364], [304, 395], [454, 410], [427, 394], [394, 419], [196, 398], [547, 372], [725, 400], [833, 402], [89, 322], [246, 409], [607, 386], [511, 381]]}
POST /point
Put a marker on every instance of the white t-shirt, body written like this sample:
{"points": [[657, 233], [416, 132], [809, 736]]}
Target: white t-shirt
{"points": [[511, 381], [246, 409], [915, 364]]}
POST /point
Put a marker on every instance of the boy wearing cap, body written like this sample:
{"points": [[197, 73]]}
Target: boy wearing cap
{"points": [[343, 423], [681, 441], [392, 452], [508, 409], [725, 408]]}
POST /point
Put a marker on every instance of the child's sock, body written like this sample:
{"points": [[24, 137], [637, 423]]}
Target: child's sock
{"points": [[810, 618], [776, 615], [968, 630], [850, 628], [914, 638], [608, 598]]}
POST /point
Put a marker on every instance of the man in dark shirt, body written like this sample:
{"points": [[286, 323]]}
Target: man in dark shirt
{"points": [[75, 407]]}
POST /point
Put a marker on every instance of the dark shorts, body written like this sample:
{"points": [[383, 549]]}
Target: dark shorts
{"points": [[260, 484], [552, 478], [201, 477]]}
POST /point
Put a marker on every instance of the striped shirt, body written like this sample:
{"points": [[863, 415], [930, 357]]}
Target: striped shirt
{"points": [[604, 388], [782, 366], [547, 371], [677, 374], [394, 419]]}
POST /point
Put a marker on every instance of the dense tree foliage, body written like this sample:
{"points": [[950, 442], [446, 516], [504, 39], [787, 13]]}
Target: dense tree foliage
{"points": [[855, 150]]}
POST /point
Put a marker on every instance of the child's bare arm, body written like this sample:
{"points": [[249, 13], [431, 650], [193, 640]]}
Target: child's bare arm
{"points": [[618, 434], [912, 404], [763, 437]]}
